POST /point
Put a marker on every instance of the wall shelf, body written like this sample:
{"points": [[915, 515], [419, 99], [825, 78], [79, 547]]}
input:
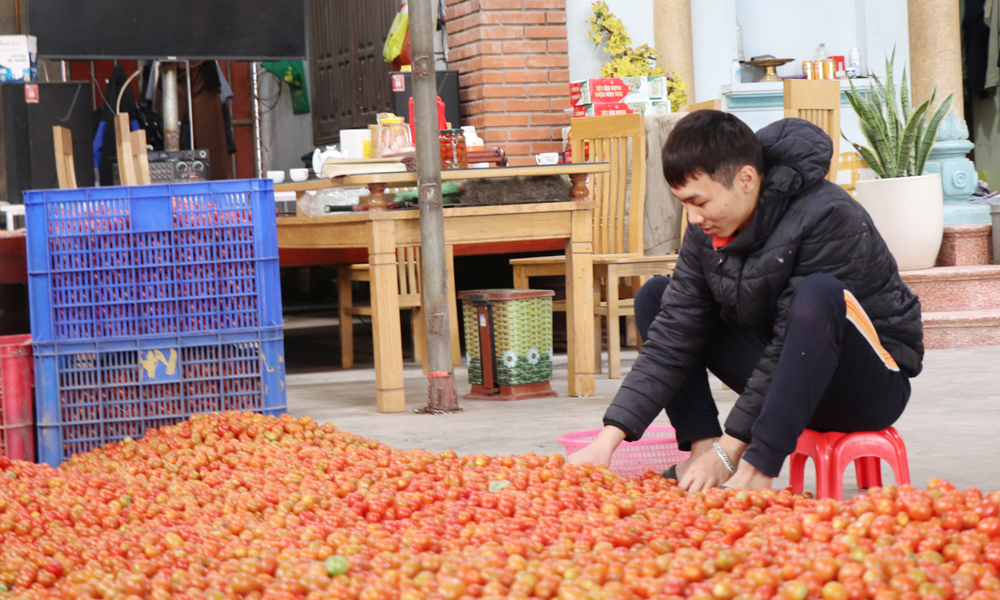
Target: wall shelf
{"points": [[770, 95]]}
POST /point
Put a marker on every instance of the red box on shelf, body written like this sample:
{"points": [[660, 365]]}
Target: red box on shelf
{"points": [[617, 89], [602, 109], [17, 436]]}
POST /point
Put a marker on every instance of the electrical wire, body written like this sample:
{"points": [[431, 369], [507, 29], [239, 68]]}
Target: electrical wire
{"points": [[277, 97], [97, 86], [121, 92]]}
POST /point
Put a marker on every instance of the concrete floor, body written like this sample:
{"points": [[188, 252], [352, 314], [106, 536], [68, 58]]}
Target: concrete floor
{"points": [[950, 426]]}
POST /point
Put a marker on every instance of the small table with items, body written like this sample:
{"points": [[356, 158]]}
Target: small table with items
{"points": [[381, 231]]}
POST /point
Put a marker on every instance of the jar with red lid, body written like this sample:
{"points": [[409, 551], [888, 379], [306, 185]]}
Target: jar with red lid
{"points": [[453, 151]]}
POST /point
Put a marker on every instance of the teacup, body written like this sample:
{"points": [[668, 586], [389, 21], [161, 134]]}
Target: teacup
{"points": [[547, 158]]}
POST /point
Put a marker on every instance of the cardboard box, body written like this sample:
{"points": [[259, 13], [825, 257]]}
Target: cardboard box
{"points": [[617, 89], [602, 109], [18, 58]]}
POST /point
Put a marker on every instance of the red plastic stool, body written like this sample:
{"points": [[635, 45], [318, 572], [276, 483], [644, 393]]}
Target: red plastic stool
{"points": [[833, 451]]}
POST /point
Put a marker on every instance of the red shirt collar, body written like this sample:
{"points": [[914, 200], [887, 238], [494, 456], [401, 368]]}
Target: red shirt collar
{"points": [[720, 242]]}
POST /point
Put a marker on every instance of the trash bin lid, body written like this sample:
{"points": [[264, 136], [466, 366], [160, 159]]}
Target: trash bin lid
{"points": [[503, 295]]}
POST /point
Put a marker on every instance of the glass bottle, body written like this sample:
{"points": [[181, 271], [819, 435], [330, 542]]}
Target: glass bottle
{"points": [[394, 137], [453, 150]]}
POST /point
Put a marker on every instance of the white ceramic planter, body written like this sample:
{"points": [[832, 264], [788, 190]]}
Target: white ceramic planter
{"points": [[909, 214]]}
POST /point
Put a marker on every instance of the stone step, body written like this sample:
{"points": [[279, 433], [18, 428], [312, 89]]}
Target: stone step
{"points": [[956, 288], [963, 328], [966, 245]]}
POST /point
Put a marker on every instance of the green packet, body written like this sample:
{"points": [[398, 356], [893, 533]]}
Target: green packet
{"points": [[450, 192]]}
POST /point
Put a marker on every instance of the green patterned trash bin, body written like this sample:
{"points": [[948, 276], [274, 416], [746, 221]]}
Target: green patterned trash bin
{"points": [[508, 337]]}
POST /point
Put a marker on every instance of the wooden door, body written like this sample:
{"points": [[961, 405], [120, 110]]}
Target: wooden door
{"points": [[349, 79]]}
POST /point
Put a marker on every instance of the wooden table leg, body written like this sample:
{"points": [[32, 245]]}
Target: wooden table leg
{"points": [[346, 301], [579, 191], [580, 304], [376, 196], [388, 340]]}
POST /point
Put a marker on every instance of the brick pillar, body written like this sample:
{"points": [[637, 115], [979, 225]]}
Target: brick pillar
{"points": [[514, 72]]}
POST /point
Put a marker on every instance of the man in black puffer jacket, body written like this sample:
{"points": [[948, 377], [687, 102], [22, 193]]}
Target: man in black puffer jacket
{"points": [[783, 289]]}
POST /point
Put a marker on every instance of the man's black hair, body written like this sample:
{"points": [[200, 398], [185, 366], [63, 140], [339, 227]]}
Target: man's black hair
{"points": [[711, 142]]}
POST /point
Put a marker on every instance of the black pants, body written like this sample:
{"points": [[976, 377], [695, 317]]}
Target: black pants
{"points": [[829, 376]]}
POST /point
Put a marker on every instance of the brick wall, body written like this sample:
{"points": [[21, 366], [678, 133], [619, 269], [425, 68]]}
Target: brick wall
{"points": [[514, 69]]}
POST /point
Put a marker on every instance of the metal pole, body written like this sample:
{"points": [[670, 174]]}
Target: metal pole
{"points": [[187, 65], [63, 71], [229, 77], [442, 397], [171, 120], [258, 157], [93, 87]]}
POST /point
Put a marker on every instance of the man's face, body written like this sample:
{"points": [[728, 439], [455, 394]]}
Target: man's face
{"points": [[719, 210]]}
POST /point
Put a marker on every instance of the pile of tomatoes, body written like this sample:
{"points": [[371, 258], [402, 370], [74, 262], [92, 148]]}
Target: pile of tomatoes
{"points": [[241, 505]]}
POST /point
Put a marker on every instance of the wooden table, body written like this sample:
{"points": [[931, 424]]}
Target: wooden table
{"points": [[382, 231]]}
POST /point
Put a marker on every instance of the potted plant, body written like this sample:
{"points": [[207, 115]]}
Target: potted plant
{"points": [[906, 205]]}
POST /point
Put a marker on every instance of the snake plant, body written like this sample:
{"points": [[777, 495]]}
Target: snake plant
{"points": [[899, 140]]}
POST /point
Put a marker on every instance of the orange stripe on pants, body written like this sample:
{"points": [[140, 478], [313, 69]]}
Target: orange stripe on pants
{"points": [[857, 315]]}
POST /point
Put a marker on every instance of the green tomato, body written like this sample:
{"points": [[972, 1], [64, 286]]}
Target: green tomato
{"points": [[336, 565]]}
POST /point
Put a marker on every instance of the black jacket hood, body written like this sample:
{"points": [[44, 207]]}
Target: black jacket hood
{"points": [[797, 156]]}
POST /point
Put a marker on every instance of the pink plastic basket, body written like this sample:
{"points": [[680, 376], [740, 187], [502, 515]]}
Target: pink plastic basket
{"points": [[17, 431], [656, 451]]}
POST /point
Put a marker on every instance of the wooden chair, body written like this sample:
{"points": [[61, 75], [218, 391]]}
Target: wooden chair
{"points": [[65, 169], [816, 101], [408, 269], [706, 105], [848, 165], [133, 160], [617, 248]]}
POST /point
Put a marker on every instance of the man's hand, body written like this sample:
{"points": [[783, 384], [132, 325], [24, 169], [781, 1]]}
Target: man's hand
{"points": [[705, 469], [748, 477], [600, 450]]}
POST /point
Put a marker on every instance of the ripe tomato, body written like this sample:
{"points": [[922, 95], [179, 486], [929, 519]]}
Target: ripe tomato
{"points": [[241, 505]]}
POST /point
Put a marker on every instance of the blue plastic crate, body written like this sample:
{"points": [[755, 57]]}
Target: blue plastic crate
{"points": [[90, 393], [155, 260]]}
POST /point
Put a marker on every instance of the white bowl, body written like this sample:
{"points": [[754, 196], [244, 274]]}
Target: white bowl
{"points": [[276, 176], [299, 174]]}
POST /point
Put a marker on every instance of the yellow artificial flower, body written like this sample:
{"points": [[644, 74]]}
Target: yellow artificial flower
{"points": [[625, 61]]}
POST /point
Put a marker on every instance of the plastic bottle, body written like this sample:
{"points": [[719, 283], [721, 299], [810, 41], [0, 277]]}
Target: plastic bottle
{"points": [[856, 61], [821, 53], [316, 203], [474, 142], [735, 71]]}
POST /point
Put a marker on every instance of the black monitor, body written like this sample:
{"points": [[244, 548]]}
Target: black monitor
{"points": [[168, 29]]}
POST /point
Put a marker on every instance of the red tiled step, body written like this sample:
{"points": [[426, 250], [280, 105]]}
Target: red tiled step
{"points": [[962, 328], [956, 288], [965, 245]]}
